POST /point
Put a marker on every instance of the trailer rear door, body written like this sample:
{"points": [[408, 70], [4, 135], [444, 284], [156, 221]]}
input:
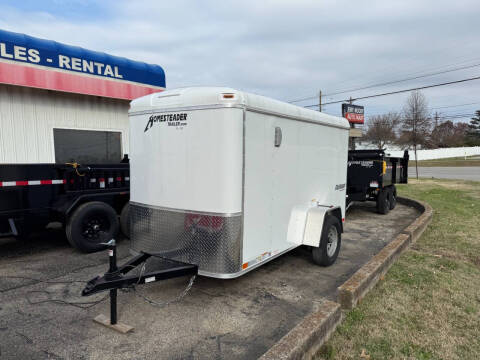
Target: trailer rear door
{"points": [[188, 160]]}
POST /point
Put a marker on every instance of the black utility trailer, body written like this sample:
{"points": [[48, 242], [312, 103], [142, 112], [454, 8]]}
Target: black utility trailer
{"points": [[87, 200], [372, 175]]}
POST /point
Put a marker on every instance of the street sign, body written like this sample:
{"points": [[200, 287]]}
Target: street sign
{"points": [[353, 113]]}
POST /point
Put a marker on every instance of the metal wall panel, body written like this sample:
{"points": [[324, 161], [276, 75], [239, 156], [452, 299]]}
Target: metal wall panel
{"points": [[28, 117], [307, 169]]}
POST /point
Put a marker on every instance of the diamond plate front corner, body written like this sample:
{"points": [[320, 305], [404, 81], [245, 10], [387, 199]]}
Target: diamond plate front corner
{"points": [[213, 242]]}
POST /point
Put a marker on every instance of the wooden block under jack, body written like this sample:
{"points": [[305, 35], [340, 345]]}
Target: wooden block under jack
{"points": [[122, 328]]}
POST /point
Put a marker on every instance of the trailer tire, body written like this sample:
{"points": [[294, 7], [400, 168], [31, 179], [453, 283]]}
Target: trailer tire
{"points": [[125, 220], [90, 225], [383, 201], [393, 197], [325, 255]]}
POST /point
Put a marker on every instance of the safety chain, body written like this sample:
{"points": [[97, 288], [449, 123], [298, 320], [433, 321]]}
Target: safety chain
{"points": [[158, 303], [171, 301]]}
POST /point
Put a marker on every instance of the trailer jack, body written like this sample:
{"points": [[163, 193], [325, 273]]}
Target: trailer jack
{"points": [[117, 278]]}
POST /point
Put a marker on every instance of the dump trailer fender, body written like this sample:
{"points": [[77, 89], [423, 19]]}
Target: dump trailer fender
{"points": [[306, 223]]}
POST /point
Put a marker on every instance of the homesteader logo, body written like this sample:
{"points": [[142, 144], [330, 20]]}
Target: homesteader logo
{"points": [[171, 119]]}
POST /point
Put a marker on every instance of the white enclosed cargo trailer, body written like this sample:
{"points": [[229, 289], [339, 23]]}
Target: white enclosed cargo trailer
{"points": [[229, 180]]}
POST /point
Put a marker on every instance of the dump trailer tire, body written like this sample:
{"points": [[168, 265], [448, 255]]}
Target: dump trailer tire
{"points": [[90, 225], [383, 201], [393, 197], [125, 220], [325, 254]]}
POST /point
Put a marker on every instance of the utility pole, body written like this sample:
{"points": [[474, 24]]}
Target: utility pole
{"points": [[415, 142], [436, 118], [352, 126], [320, 101]]}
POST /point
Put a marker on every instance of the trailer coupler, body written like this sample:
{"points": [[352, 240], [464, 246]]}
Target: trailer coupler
{"points": [[116, 278]]}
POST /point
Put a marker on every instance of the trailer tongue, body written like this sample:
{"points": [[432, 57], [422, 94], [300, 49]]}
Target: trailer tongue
{"points": [[117, 277]]}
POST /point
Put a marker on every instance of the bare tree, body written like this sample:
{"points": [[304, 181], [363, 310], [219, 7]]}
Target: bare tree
{"points": [[416, 122], [381, 129]]}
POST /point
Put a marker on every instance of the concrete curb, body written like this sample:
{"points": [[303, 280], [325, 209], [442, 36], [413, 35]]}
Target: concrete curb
{"points": [[416, 228], [355, 288], [305, 339]]}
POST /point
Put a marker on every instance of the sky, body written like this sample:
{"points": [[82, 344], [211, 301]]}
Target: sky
{"points": [[287, 50]]}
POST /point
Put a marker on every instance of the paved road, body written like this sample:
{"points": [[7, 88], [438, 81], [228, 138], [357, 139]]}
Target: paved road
{"points": [[218, 319], [460, 172]]}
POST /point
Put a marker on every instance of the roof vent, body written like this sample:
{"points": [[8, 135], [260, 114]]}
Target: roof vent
{"points": [[166, 100], [167, 95]]}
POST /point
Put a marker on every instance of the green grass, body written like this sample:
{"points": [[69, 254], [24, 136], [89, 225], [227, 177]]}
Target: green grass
{"points": [[428, 305], [457, 161]]}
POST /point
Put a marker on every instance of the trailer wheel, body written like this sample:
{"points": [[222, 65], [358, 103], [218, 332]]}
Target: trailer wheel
{"points": [[330, 242], [393, 197], [125, 220], [90, 224], [383, 201]]}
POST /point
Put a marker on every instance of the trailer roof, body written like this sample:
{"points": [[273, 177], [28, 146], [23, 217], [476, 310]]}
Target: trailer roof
{"points": [[193, 97]]}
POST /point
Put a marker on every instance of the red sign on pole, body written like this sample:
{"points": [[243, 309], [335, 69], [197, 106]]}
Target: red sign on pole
{"points": [[353, 113]]}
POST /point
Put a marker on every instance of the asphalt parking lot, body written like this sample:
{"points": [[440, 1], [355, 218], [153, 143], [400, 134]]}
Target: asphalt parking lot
{"points": [[218, 319]]}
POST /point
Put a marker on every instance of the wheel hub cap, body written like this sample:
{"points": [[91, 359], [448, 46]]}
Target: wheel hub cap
{"points": [[93, 229], [332, 241]]}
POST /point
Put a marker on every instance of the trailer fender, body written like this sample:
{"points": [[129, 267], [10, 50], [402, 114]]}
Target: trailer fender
{"points": [[103, 197], [296, 224], [314, 224], [306, 223]]}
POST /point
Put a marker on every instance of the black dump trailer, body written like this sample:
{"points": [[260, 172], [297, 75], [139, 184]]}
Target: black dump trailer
{"points": [[372, 175], [87, 200]]}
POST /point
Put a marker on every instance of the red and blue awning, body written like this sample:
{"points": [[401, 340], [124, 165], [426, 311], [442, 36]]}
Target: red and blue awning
{"points": [[47, 64]]}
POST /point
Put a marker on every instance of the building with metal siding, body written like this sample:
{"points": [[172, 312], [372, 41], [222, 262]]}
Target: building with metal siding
{"points": [[40, 97], [28, 117]]}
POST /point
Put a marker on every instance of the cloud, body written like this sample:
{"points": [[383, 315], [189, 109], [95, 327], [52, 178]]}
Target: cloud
{"points": [[283, 49]]}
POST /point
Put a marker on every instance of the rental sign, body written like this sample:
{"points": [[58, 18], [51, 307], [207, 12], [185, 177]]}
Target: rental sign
{"points": [[31, 55], [353, 113], [46, 64]]}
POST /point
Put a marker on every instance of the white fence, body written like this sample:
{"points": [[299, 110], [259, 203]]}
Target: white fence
{"points": [[439, 153]]}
